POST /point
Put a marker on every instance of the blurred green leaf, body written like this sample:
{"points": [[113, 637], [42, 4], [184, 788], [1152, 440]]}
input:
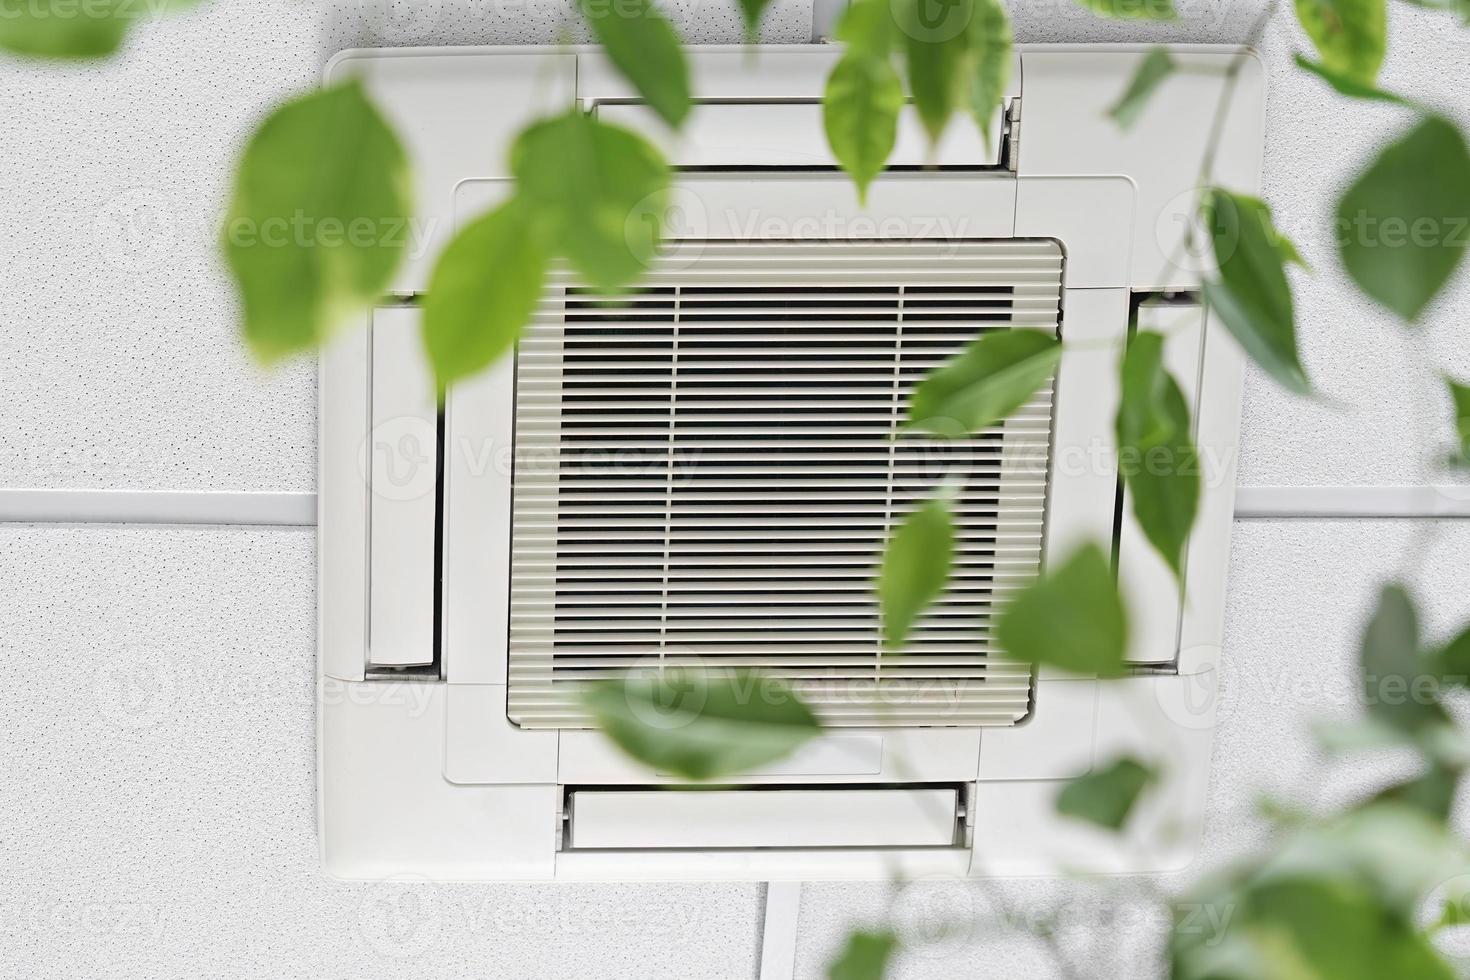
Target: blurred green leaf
{"points": [[1405, 222], [1332, 901], [867, 27], [588, 184], [936, 37], [1071, 618], [1432, 792], [318, 220], [74, 29], [984, 383], [865, 956], [751, 11], [1351, 36], [701, 725], [1152, 70], [991, 53], [860, 114], [1132, 9], [1399, 686], [1106, 796], [1346, 85], [1252, 297], [1156, 451], [916, 566], [644, 47], [483, 292], [1460, 396]]}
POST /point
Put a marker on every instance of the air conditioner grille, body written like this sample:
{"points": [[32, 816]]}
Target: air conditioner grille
{"points": [[705, 475]]}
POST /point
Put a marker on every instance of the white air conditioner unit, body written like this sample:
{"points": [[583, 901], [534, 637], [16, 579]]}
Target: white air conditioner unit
{"points": [[702, 471]]}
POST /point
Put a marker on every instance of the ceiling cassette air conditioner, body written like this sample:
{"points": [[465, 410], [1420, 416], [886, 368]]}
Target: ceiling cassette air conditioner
{"points": [[703, 471]]}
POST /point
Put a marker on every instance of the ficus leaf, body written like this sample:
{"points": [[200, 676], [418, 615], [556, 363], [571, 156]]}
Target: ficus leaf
{"points": [[1402, 224], [1399, 688], [864, 956], [1156, 452], [991, 51], [985, 383], [1106, 796], [860, 114], [916, 566], [751, 11], [1070, 618], [701, 725], [1252, 296], [586, 184], [1152, 70], [1351, 36], [1347, 85], [936, 37], [1460, 397], [1133, 9], [643, 45], [314, 231], [868, 28], [483, 292], [73, 29]]}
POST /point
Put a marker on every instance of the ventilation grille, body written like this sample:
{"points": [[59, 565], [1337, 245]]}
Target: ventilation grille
{"points": [[706, 474]]}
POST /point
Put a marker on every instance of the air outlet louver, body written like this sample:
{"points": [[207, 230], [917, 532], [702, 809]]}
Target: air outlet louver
{"points": [[705, 474]]}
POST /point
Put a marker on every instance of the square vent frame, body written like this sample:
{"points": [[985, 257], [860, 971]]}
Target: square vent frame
{"points": [[421, 770]]}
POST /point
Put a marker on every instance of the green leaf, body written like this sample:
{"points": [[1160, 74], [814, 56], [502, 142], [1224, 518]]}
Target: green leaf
{"points": [[1252, 297], [916, 566], [860, 114], [865, 956], [991, 52], [1155, 67], [867, 28], [1071, 618], [1351, 35], [751, 11], [643, 46], [984, 383], [74, 29], [317, 221], [587, 183], [936, 37], [1452, 661], [1432, 792], [1399, 687], [1106, 796], [1345, 85], [1404, 223], [1460, 395], [1333, 901], [1132, 9], [483, 292], [1156, 454], [701, 725]]}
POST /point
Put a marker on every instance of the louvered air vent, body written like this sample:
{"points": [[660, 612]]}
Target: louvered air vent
{"points": [[705, 475]]}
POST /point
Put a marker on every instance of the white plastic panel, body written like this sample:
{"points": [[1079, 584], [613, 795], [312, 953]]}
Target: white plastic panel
{"points": [[791, 134], [456, 112], [1066, 130], [342, 503], [1145, 579], [665, 819], [1055, 742], [482, 746], [1091, 216], [402, 458], [933, 755]]}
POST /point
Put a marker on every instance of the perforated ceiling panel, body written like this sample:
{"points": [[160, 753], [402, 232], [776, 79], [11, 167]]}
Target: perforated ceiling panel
{"points": [[706, 474]]}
